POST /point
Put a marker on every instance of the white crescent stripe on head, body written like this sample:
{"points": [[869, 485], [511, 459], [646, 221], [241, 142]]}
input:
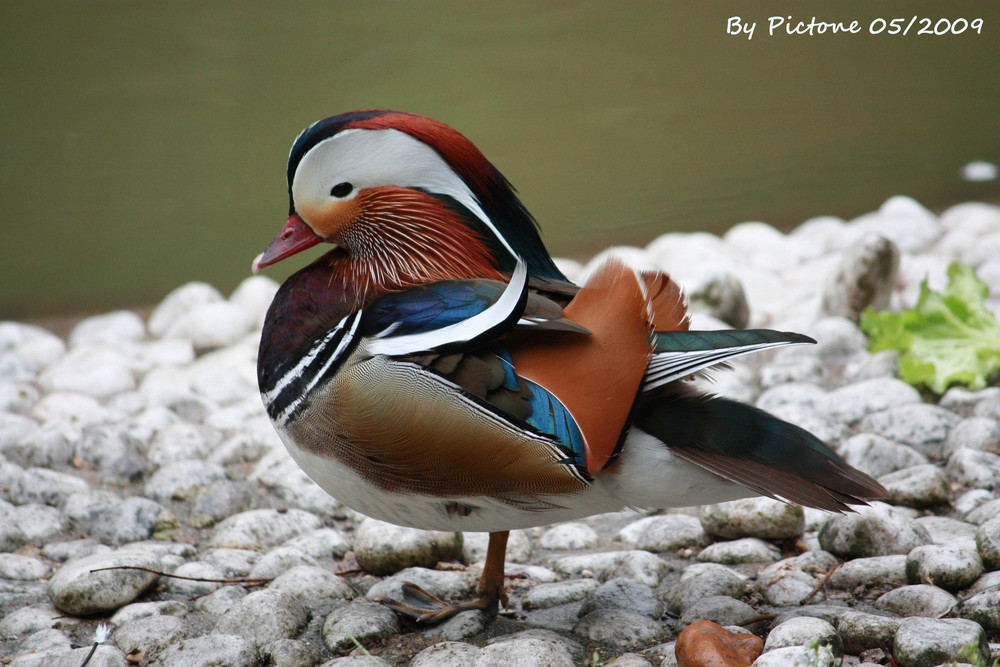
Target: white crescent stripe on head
{"points": [[374, 158]]}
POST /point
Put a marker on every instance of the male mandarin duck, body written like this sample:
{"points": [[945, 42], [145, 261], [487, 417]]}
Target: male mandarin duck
{"points": [[437, 370]]}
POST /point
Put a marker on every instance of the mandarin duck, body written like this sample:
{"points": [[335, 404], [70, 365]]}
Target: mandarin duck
{"points": [[435, 369]]}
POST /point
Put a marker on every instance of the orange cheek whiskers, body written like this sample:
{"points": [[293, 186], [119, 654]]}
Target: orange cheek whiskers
{"points": [[402, 238]]}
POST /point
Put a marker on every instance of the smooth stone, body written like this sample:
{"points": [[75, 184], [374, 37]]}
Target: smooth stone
{"points": [[103, 656], [358, 622], [903, 221], [106, 446], [984, 512], [320, 543], [869, 366], [878, 456], [291, 653], [865, 278], [629, 660], [278, 561], [363, 660], [264, 616], [234, 562], [262, 529], [667, 532], [221, 601], [180, 441], [875, 530], [925, 642], [974, 468], [720, 609], [76, 409], [988, 541], [917, 600], [797, 393], [30, 524], [22, 568], [804, 630], [918, 425], [64, 550], [745, 550], [105, 516], [703, 580], [176, 480], [137, 610], [28, 620], [195, 570], [971, 499], [46, 641], [797, 656], [623, 593], [860, 631], [963, 401], [574, 648], [110, 329], [983, 607], [45, 487], [620, 627], [447, 654], [224, 498], [312, 584], [827, 612], [178, 302], [211, 325], [753, 517], [148, 635], [887, 571], [639, 565], [837, 339], [706, 644], [442, 584], [558, 593], [527, 651], [254, 295], [792, 580], [917, 486], [566, 536], [722, 296], [474, 546], [17, 397], [463, 625], [85, 586], [213, 649], [91, 370], [979, 433], [949, 532], [384, 548], [47, 446], [948, 567]]}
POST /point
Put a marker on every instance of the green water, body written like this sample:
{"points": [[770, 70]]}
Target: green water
{"points": [[144, 143]]}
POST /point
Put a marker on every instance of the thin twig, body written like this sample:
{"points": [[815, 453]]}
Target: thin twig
{"points": [[820, 585], [233, 580], [93, 650]]}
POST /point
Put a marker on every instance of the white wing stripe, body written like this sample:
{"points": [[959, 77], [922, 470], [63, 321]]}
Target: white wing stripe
{"points": [[383, 343]]}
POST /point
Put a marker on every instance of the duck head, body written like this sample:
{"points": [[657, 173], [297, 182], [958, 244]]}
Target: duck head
{"points": [[408, 199]]}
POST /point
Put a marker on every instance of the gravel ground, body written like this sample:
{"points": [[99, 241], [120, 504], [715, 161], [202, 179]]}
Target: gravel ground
{"points": [[141, 442]]}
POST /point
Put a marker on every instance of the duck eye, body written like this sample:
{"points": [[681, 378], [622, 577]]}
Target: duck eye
{"points": [[341, 190]]}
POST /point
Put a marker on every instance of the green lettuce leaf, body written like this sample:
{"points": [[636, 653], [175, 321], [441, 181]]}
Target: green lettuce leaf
{"points": [[950, 337]]}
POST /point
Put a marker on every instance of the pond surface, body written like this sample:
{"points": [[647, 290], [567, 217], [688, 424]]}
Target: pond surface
{"points": [[144, 143]]}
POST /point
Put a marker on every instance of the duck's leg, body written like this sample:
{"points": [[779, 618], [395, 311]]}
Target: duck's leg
{"points": [[426, 608]]}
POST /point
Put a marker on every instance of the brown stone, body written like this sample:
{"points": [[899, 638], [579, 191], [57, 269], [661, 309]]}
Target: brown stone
{"points": [[706, 644]]}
